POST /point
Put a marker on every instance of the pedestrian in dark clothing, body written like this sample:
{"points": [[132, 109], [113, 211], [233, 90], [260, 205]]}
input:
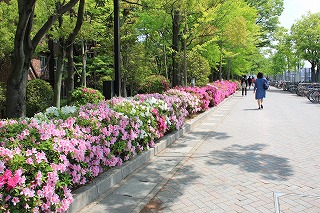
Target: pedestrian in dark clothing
{"points": [[259, 89], [244, 84]]}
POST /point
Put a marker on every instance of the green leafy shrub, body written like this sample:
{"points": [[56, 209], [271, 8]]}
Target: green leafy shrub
{"points": [[39, 96], [154, 84], [84, 95]]}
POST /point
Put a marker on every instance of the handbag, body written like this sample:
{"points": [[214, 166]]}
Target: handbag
{"points": [[265, 85]]}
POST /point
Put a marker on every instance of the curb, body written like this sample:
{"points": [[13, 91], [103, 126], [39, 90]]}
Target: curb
{"points": [[87, 194]]}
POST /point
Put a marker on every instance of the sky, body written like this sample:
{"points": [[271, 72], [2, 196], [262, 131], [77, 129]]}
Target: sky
{"points": [[294, 9]]}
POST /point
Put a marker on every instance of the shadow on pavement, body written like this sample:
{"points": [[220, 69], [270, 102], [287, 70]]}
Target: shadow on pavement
{"points": [[252, 109], [250, 159], [168, 194]]}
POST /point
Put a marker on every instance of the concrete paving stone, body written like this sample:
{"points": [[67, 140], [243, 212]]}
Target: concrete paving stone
{"points": [[237, 208], [199, 203], [224, 207], [258, 204], [264, 209], [204, 210], [251, 209], [252, 197], [116, 203], [131, 188]]}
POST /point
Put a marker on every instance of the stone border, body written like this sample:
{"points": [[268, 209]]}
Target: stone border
{"points": [[105, 181]]}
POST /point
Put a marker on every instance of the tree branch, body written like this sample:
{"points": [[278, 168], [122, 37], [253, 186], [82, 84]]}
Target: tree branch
{"points": [[136, 3], [44, 29], [77, 28]]}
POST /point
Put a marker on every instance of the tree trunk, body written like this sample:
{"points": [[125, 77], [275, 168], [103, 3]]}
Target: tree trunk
{"points": [[165, 61], [220, 67], [16, 91], [175, 47], [22, 53], [185, 76], [70, 71], [124, 86], [84, 64], [229, 69], [21, 59], [69, 52], [313, 71], [58, 73]]}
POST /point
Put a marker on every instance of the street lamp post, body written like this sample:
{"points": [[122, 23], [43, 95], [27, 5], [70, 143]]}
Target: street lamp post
{"points": [[117, 79]]}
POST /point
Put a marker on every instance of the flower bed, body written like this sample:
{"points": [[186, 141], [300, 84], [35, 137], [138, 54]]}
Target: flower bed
{"points": [[44, 158]]}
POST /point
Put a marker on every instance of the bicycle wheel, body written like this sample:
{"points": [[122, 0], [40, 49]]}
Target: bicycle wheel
{"points": [[308, 95], [313, 96], [316, 95]]}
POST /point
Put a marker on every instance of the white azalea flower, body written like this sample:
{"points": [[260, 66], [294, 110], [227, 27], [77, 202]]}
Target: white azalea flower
{"points": [[68, 110], [52, 111]]}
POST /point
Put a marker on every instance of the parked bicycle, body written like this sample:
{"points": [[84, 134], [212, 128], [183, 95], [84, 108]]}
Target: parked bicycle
{"points": [[314, 95]]}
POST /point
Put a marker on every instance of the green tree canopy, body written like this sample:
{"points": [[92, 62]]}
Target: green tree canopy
{"points": [[306, 35]]}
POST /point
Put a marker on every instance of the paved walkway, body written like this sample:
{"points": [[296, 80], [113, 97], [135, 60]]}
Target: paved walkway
{"points": [[240, 159]]}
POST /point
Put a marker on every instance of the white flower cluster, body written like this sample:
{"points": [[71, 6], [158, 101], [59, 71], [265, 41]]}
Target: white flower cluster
{"points": [[66, 110], [54, 112]]}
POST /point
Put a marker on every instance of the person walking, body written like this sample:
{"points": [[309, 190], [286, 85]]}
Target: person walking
{"points": [[252, 81], [249, 81], [260, 87], [244, 84]]}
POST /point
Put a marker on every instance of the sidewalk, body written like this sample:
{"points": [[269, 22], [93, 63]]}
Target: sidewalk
{"points": [[239, 159]]}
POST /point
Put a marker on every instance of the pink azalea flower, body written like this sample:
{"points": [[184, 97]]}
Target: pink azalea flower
{"points": [[12, 182], [2, 167], [29, 161], [26, 206], [28, 192], [15, 200], [38, 178], [7, 198], [3, 181], [41, 156], [36, 210], [28, 152]]}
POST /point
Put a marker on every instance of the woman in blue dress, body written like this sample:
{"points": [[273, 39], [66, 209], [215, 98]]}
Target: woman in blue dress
{"points": [[259, 90]]}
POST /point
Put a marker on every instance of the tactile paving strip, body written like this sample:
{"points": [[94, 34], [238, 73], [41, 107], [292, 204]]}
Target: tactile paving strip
{"points": [[296, 203]]}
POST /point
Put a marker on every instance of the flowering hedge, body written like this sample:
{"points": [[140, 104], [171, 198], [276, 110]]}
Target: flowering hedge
{"points": [[44, 158]]}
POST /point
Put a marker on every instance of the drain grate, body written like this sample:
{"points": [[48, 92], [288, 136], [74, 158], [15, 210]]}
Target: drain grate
{"points": [[291, 202]]}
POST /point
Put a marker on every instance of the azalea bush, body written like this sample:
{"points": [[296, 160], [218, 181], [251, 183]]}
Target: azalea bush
{"points": [[219, 90], [174, 110], [201, 94], [33, 174], [154, 84], [190, 101], [84, 95], [45, 157], [148, 123]]}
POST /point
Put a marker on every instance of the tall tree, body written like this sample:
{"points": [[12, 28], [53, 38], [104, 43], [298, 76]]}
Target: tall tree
{"points": [[306, 35], [69, 52], [65, 38], [24, 47], [285, 49], [269, 12]]}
